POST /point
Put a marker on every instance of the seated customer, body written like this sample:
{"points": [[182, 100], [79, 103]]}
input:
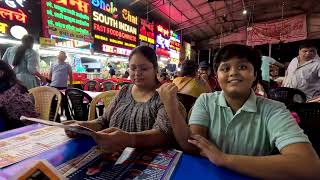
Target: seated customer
{"points": [[14, 99], [189, 83], [238, 130], [136, 117], [205, 71]]}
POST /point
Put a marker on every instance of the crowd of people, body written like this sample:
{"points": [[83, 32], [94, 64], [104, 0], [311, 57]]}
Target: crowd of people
{"points": [[229, 124]]}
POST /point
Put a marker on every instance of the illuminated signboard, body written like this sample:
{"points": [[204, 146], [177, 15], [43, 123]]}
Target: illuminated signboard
{"points": [[174, 41], [113, 26], [115, 50], [146, 31], [187, 49], [70, 43], [174, 46], [162, 41], [14, 19], [67, 19]]}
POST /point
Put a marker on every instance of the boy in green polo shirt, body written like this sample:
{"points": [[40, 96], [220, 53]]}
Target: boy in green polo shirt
{"points": [[238, 130]]}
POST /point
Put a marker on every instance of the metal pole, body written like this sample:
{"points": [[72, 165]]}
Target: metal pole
{"points": [[270, 49], [209, 55]]}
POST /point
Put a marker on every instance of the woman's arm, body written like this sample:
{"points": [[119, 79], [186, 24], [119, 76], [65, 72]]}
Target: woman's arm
{"points": [[178, 120], [148, 139], [94, 125], [114, 139], [33, 60]]}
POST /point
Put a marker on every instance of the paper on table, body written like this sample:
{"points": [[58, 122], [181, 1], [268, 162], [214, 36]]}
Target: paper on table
{"points": [[126, 153], [74, 128]]}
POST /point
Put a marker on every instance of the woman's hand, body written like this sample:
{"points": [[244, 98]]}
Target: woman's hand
{"points": [[168, 93], [42, 78], [112, 140], [209, 150], [72, 134]]}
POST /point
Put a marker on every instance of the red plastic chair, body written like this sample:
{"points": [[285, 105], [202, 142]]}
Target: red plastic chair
{"points": [[108, 85], [92, 85]]}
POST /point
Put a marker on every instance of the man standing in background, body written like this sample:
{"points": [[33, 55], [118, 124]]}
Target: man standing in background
{"points": [[60, 71], [112, 72], [304, 71]]}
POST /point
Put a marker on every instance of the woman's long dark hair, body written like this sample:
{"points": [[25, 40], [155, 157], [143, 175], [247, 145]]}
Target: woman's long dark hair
{"points": [[27, 43], [9, 77]]}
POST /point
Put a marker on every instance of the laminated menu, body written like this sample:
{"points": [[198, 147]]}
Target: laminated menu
{"points": [[20, 147], [131, 164], [72, 127]]}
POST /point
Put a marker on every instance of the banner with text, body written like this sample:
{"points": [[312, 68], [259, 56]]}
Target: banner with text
{"points": [[286, 30]]}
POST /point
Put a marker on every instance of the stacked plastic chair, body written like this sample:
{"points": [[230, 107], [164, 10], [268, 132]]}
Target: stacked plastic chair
{"points": [[79, 103], [44, 98], [309, 114], [287, 95], [92, 85]]}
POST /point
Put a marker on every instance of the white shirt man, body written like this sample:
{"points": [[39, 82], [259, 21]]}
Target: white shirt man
{"points": [[60, 71], [304, 71]]}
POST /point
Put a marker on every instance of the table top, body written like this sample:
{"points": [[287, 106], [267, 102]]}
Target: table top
{"points": [[189, 166], [92, 94]]}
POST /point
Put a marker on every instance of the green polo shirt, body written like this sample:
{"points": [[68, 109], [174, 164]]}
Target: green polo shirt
{"points": [[256, 128]]}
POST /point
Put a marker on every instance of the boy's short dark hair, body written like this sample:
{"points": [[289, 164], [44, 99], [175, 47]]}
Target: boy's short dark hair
{"points": [[307, 44], [239, 51]]}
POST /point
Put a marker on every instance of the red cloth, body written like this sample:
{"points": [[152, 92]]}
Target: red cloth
{"points": [[213, 83], [296, 117]]}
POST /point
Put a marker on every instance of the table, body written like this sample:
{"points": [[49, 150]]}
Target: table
{"points": [[189, 167], [93, 94]]}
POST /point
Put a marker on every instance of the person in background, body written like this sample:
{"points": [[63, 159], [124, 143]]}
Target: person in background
{"points": [[304, 71], [206, 73], [265, 69], [136, 117], [238, 130], [277, 75], [60, 71], [14, 99], [112, 72], [164, 76], [189, 83], [25, 62], [125, 75]]}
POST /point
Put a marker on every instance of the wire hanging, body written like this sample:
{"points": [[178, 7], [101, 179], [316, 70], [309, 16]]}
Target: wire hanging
{"points": [[181, 31], [169, 16], [147, 11], [282, 20]]}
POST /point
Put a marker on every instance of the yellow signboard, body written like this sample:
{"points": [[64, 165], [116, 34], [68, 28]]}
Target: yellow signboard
{"points": [[47, 41]]}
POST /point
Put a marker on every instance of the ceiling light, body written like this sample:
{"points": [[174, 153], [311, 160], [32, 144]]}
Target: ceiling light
{"points": [[244, 12]]}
